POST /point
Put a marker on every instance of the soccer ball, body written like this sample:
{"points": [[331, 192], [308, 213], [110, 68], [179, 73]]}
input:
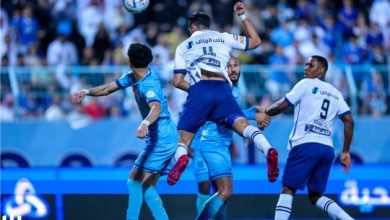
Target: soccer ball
{"points": [[135, 6]]}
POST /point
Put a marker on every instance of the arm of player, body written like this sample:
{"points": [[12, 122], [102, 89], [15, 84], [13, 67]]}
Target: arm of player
{"points": [[155, 109], [254, 39], [180, 83], [345, 157], [278, 107], [257, 113], [102, 90]]}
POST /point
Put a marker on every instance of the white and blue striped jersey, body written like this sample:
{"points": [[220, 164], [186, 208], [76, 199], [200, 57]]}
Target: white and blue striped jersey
{"points": [[316, 105], [208, 50]]}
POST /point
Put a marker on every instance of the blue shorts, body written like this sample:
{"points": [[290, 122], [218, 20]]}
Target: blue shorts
{"points": [[160, 147], [209, 100], [217, 157], [308, 165], [199, 165]]}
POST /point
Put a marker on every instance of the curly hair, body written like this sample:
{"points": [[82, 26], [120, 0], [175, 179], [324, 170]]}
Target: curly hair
{"points": [[139, 55]]}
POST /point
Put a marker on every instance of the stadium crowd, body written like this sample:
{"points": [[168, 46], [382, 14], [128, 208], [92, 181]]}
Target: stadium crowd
{"points": [[61, 33]]}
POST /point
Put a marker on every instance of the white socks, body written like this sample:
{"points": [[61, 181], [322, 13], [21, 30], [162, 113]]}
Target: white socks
{"points": [[180, 151], [283, 208], [258, 138], [335, 211]]}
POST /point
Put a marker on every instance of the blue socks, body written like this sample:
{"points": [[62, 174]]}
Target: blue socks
{"points": [[222, 213], [200, 200], [155, 204], [211, 207], [135, 199]]}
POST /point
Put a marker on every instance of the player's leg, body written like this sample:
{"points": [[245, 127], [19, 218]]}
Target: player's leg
{"points": [[218, 159], [196, 109], [203, 194], [153, 199], [297, 171], [134, 185], [216, 201], [181, 156], [317, 184], [151, 162], [283, 207], [201, 173], [328, 205], [230, 112], [242, 126]]}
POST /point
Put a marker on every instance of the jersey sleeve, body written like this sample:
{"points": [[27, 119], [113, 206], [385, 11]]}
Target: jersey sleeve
{"points": [[180, 63], [299, 90], [124, 81], [236, 41], [151, 92], [343, 107]]}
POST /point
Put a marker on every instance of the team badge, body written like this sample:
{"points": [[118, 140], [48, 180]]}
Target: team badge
{"points": [[150, 94]]}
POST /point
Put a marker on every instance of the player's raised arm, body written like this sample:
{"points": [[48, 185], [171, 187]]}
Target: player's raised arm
{"points": [[345, 157], [254, 39], [102, 90]]}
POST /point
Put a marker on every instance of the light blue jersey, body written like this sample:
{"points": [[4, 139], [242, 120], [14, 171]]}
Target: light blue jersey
{"points": [[162, 138]]}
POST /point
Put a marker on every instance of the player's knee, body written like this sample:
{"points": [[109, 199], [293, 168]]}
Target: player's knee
{"points": [[240, 124], [225, 193], [314, 196]]}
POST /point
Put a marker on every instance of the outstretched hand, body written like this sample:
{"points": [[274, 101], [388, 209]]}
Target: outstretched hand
{"points": [[239, 8], [78, 96], [262, 119], [345, 159]]}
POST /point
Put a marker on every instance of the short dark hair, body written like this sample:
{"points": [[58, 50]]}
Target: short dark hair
{"points": [[322, 60], [139, 55], [199, 19]]}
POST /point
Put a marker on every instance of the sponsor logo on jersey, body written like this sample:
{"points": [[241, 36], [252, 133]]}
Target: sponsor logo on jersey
{"points": [[209, 40], [329, 94], [315, 90], [189, 45], [317, 130]]}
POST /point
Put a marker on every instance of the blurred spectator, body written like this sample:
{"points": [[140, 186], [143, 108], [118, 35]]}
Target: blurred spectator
{"points": [[89, 19], [379, 13], [313, 46], [354, 54], [222, 8], [32, 58], [336, 77], [61, 51], [361, 29], [54, 112], [26, 27], [304, 10], [375, 100], [347, 18], [93, 109], [7, 112], [278, 82], [101, 44], [282, 35], [9, 50], [374, 36]]}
